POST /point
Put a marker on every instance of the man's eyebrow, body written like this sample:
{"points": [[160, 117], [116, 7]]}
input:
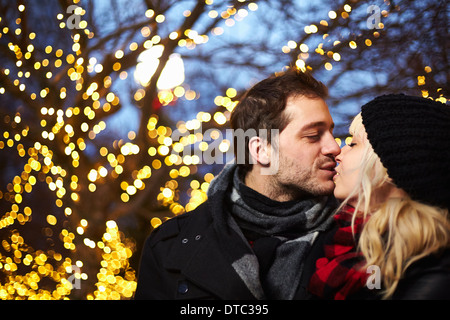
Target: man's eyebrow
{"points": [[316, 124]]}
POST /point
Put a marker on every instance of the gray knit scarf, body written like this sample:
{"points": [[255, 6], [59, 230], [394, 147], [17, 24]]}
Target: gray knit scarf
{"points": [[294, 224]]}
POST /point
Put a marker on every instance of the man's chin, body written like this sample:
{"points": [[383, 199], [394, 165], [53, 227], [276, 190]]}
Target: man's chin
{"points": [[324, 189]]}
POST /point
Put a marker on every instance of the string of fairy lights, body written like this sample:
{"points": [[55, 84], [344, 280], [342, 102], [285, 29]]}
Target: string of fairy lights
{"points": [[114, 279], [23, 267]]}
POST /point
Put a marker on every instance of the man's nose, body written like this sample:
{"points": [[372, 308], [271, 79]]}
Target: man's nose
{"points": [[331, 147]]}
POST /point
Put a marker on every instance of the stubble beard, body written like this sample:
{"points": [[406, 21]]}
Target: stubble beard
{"points": [[293, 182]]}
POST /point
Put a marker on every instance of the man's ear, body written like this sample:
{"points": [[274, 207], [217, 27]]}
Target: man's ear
{"points": [[259, 150]]}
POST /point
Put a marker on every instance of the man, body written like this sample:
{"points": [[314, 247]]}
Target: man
{"points": [[250, 239]]}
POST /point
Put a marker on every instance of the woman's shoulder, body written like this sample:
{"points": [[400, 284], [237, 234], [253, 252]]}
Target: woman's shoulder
{"points": [[427, 278], [434, 263]]}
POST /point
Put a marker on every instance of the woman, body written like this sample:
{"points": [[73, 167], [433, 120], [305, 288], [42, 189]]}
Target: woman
{"points": [[392, 234]]}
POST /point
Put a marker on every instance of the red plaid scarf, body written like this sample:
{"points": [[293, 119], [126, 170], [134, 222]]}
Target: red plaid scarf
{"points": [[339, 273]]}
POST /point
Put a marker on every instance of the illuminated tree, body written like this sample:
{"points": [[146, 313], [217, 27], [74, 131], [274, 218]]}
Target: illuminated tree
{"points": [[113, 114], [67, 178]]}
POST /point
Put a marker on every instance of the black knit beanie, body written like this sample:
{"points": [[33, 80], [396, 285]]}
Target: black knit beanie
{"points": [[411, 135]]}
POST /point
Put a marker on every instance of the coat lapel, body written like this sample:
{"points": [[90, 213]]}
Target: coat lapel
{"points": [[199, 257], [210, 269]]}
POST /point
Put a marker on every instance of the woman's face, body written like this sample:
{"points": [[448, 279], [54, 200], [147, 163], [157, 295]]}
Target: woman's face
{"points": [[349, 166]]}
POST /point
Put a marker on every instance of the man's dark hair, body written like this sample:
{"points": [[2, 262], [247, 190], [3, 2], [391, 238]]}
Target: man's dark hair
{"points": [[262, 106]]}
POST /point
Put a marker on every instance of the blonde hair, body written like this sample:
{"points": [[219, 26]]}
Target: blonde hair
{"points": [[398, 231]]}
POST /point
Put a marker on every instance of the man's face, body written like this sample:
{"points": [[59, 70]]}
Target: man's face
{"points": [[307, 149]]}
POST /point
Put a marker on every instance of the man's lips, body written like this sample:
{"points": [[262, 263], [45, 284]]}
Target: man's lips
{"points": [[329, 167]]}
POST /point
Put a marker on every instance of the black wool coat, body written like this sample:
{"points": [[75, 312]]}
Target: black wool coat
{"points": [[182, 259]]}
